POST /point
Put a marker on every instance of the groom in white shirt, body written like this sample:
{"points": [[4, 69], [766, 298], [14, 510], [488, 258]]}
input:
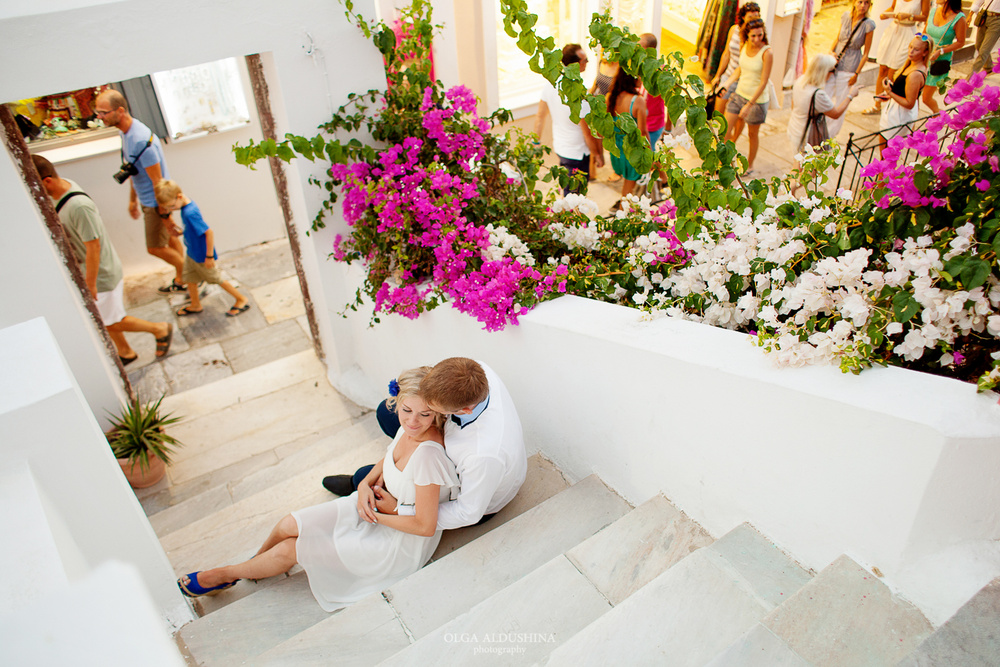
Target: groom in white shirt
{"points": [[483, 437]]}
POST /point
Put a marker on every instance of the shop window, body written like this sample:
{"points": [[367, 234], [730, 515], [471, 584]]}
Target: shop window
{"points": [[177, 105]]}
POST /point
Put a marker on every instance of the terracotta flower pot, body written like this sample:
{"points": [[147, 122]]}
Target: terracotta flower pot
{"points": [[139, 477]]}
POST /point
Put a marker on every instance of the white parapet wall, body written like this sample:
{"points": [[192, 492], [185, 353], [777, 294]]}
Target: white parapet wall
{"points": [[66, 508], [897, 469]]}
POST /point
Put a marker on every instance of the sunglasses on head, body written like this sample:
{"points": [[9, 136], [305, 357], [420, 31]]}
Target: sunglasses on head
{"points": [[922, 36]]}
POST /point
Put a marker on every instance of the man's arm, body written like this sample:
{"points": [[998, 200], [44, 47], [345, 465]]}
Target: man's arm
{"points": [[543, 112], [480, 480], [91, 263], [133, 201], [593, 143]]}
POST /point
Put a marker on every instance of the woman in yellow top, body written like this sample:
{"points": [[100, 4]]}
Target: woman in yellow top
{"points": [[748, 105]]}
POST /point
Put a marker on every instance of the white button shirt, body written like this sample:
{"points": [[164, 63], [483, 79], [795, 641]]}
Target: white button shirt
{"points": [[490, 457]]}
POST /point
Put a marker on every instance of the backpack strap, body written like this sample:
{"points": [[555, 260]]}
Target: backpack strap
{"points": [[62, 202]]}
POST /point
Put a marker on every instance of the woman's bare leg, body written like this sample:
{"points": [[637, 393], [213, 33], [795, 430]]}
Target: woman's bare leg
{"points": [[276, 556], [928, 99], [752, 131], [628, 187]]}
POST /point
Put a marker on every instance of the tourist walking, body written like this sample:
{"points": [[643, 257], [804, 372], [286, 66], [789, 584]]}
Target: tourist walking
{"points": [[731, 57], [748, 103], [850, 49], [947, 27], [810, 90], [907, 18], [987, 33], [625, 98]]}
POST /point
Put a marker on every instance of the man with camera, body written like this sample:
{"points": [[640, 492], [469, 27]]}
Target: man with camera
{"points": [[143, 166]]}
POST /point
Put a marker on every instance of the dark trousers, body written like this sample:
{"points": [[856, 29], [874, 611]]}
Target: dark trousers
{"points": [[583, 164]]}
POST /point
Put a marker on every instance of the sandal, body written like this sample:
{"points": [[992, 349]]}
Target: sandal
{"points": [[193, 589], [174, 286], [873, 110], [187, 311], [234, 311], [127, 360], [163, 344]]}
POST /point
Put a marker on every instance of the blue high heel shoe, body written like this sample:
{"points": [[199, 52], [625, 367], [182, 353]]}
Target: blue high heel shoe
{"points": [[193, 589]]}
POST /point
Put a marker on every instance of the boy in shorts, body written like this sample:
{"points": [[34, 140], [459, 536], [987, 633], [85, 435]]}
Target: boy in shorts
{"points": [[199, 262]]}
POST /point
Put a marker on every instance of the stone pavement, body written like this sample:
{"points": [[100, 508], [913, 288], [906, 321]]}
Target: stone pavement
{"points": [[210, 346]]}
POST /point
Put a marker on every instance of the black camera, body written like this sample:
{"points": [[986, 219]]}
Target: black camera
{"points": [[128, 169]]}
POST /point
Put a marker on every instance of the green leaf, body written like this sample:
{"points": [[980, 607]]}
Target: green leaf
{"points": [[904, 307], [675, 107], [285, 153], [975, 273], [726, 176], [716, 199]]}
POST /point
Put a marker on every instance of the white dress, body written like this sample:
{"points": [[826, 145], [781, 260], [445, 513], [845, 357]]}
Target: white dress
{"points": [[893, 46], [345, 557]]}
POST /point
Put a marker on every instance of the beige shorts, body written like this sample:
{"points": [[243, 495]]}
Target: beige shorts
{"points": [[157, 235], [196, 273], [111, 305]]}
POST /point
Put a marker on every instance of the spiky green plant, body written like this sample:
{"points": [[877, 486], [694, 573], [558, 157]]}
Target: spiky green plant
{"points": [[139, 432]]}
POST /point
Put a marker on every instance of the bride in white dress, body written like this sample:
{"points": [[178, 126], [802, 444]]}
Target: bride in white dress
{"points": [[347, 548]]}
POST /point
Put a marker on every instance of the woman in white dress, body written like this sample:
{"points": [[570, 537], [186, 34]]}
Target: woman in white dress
{"points": [[907, 18], [347, 548]]}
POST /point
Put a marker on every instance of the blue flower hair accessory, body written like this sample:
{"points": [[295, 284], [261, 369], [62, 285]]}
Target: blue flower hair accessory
{"points": [[393, 387]]}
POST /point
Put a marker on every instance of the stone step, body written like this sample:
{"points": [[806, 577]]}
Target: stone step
{"points": [[249, 626], [453, 585], [527, 620], [695, 609], [634, 550], [315, 458], [970, 638], [845, 616]]}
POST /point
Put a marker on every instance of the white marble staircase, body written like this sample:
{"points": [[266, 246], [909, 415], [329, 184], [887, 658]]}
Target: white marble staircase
{"points": [[566, 575]]}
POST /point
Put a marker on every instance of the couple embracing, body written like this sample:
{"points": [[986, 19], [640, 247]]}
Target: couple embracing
{"points": [[457, 457]]}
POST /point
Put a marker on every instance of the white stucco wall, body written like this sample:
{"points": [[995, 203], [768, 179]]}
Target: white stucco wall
{"points": [[54, 455]]}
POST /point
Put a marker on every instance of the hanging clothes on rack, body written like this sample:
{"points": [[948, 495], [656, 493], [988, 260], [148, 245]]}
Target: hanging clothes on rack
{"points": [[719, 17]]}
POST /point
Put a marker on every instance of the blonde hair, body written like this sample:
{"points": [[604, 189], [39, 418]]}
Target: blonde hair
{"points": [[167, 191], [454, 384], [408, 384], [819, 67]]}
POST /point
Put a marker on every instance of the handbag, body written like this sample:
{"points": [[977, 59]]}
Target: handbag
{"points": [[939, 67], [981, 18], [816, 131]]}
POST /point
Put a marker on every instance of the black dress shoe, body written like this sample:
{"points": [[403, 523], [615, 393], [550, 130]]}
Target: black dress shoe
{"points": [[340, 485]]}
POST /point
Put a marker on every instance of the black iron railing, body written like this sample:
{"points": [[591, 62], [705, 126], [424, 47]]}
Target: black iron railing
{"points": [[863, 150]]}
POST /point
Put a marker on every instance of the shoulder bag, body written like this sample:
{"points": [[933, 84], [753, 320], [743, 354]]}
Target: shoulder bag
{"points": [[816, 131]]}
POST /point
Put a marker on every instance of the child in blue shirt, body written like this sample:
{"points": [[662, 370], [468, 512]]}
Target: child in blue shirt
{"points": [[199, 263]]}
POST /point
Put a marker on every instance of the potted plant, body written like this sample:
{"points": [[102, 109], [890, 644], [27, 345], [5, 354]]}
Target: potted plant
{"points": [[141, 444]]}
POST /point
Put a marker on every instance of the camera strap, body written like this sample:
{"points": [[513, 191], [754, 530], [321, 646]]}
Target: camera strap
{"points": [[134, 160], [62, 202]]}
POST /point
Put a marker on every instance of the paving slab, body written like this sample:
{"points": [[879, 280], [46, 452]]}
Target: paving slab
{"points": [[367, 634], [635, 549], [759, 648], [846, 616], [770, 574], [212, 325], [149, 382], [145, 344], [196, 367], [520, 624], [260, 264], [970, 638], [251, 626], [280, 300], [265, 345], [468, 576], [683, 618]]}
